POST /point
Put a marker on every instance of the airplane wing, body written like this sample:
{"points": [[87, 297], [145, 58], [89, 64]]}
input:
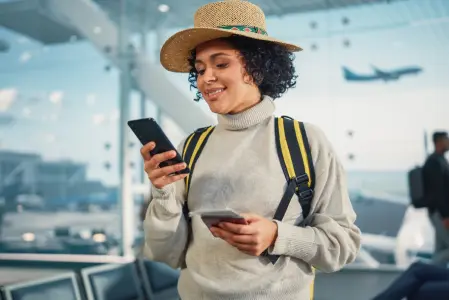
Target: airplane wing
{"points": [[379, 71], [385, 75]]}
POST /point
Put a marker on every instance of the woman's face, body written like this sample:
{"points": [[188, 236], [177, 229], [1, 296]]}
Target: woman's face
{"points": [[222, 79]]}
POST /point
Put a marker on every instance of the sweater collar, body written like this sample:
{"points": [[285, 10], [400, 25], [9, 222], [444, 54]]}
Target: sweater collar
{"points": [[250, 117]]}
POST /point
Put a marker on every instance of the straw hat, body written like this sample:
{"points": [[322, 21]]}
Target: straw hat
{"points": [[212, 21]]}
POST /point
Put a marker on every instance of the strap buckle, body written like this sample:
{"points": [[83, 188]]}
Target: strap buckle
{"points": [[304, 178], [304, 192], [306, 195]]}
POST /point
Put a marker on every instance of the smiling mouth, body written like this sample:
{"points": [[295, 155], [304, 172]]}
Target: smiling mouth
{"points": [[215, 92]]}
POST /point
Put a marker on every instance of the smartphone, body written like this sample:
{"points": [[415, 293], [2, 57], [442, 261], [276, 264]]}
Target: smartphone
{"points": [[147, 130], [214, 216]]}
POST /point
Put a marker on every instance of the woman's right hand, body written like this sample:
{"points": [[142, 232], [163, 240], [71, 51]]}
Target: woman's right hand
{"points": [[160, 177]]}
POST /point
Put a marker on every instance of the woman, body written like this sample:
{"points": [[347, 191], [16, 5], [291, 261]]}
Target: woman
{"points": [[239, 70]]}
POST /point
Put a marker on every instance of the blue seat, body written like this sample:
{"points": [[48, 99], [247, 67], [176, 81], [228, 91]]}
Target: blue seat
{"points": [[159, 280], [112, 282], [62, 286]]}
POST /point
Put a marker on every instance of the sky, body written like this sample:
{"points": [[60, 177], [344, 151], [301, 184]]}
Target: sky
{"points": [[65, 104]]}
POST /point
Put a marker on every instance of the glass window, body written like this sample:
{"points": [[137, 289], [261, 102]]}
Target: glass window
{"points": [[373, 77], [59, 154]]}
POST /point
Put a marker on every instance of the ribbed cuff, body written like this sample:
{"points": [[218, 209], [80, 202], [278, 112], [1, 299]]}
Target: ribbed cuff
{"points": [[163, 193], [294, 240], [166, 198]]}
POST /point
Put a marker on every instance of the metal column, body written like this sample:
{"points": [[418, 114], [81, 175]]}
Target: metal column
{"points": [[143, 50], [125, 196], [159, 41]]}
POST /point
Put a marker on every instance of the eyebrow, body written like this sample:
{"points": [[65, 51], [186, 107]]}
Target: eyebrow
{"points": [[213, 56]]}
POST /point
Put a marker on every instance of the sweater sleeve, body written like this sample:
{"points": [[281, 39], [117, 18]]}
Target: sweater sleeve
{"points": [[331, 239], [166, 230]]}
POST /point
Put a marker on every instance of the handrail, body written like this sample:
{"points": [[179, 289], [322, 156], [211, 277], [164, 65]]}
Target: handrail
{"points": [[73, 258]]}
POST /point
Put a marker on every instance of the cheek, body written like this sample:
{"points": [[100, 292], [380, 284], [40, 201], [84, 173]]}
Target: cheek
{"points": [[200, 83], [234, 83]]}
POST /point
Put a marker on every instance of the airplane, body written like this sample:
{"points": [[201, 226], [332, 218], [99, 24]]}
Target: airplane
{"points": [[380, 74]]}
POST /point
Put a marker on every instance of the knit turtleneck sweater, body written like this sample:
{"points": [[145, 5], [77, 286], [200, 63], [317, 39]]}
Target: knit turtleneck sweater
{"points": [[239, 168]]}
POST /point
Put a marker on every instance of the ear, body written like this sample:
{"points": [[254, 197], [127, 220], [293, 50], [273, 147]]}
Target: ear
{"points": [[247, 78]]}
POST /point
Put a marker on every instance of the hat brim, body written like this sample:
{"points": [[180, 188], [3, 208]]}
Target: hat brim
{"points": [[176, 50]]}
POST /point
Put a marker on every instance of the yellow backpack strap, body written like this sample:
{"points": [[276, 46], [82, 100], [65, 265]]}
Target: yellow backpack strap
{"points": [[312, 285], [193, 146], [296, 160]]}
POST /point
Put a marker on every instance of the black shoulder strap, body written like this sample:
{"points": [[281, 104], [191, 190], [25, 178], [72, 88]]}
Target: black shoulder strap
{"points": [[296, 160], [193, 146]]}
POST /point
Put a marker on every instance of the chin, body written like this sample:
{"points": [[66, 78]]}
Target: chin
{"points": [[218, 108]]}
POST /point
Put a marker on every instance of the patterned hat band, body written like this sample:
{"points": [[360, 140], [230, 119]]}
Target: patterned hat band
{"points": [[245, 29]]}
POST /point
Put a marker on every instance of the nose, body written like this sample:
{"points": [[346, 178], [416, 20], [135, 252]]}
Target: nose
{"points": [[209, 75]]}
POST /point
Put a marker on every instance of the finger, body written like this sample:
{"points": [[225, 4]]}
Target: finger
{"points": [[158, 158], [220, 233], [251, 217], [249, 246], [238, 240], [145, 150], [171, 179], [147, 166], [161, 182], [165, 171], [234, 239], [237, 228]]}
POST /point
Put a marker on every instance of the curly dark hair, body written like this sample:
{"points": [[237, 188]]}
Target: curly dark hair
{"points": [[270, 65]]}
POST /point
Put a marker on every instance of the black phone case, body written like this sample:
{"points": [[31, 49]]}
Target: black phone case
{"points": [[147, 130]]}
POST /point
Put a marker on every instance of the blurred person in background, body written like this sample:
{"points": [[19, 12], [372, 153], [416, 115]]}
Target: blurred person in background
{"points": [[239, 71], [421, 281], [436, 191]]}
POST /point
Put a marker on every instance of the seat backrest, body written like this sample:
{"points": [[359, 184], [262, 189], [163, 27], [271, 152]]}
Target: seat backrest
{"points": [[62, 286], [157, 277], [112, 282]]}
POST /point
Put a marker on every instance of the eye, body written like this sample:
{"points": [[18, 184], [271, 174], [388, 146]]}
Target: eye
{"points": [[200, 72], [224, 65]]}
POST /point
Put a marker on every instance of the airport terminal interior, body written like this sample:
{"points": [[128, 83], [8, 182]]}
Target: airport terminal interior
{"points": [[373, 75]]}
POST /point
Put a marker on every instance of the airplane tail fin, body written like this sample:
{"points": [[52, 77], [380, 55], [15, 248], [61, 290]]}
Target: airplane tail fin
{"points": [[348, 73]]}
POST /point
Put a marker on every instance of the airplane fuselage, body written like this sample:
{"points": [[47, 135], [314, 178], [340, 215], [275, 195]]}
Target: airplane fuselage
{"points": [[381, 75]]}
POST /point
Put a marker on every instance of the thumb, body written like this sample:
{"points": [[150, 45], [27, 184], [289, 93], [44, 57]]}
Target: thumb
{"points": [[251, 217]]}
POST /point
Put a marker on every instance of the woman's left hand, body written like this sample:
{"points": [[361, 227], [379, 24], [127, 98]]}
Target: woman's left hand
{"points": [[253, 238]]}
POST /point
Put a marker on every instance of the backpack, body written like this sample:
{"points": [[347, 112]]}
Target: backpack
{"points": [[294, 155], [416, 188]]}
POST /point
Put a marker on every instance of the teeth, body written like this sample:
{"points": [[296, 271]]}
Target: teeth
{"points": [[216, 92]]}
